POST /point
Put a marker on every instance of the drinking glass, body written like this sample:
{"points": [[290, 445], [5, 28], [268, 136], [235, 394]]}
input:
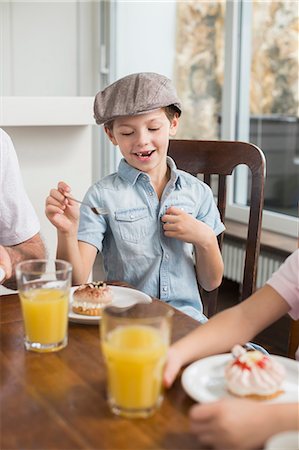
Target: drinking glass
{"points": [[44, 290], [134, 344]]}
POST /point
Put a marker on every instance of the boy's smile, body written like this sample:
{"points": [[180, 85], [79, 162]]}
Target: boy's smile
{"points": [[143, 140], [146, 154]]}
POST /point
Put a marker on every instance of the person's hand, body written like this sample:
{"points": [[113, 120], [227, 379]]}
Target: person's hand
{"points": [[62, 212], [172, 366], [183, 226], [231, 423], [5, 264]]}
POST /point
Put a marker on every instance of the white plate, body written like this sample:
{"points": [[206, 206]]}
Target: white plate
{"points": [[204, 379], [122, 297], [288, 440]]}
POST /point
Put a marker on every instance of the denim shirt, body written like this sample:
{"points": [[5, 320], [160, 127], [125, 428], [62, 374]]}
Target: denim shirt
{"points": [[131, 236]]}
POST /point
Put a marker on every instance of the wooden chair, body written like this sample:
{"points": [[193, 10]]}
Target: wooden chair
{"points": [[220, 158], [293, 338]]}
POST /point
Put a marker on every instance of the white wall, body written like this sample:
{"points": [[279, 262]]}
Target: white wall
{"points": [[145, 37], [46, 48], [47, 155], [47, 60]]}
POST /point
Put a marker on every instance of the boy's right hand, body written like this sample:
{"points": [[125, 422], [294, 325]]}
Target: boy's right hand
{"points": [[62, 212]]}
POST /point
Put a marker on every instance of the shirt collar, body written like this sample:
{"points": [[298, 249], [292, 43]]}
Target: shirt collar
{"points": [[175, 175], [131, 175]]}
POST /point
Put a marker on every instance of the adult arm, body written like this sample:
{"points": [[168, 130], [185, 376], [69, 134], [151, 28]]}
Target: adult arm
{"points": [[32, 248]]}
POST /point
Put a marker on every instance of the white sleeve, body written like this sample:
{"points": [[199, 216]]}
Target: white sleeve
{"points": [[18, 220]]}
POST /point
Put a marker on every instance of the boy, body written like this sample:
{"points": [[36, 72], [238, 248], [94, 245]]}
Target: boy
{"points": [[158, 216]]}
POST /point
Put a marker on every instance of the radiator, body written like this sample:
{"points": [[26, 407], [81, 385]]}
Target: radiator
{"points": [[233, 256]]}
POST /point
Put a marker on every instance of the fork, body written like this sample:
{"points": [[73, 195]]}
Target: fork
{"points": [[97, 210]]}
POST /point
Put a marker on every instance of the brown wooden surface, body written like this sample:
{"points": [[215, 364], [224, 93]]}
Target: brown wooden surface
{"points": [[220, 158], [58, 400]]}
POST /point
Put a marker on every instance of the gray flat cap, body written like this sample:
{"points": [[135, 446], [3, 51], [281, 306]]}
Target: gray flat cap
{"points": [[135, 94]]}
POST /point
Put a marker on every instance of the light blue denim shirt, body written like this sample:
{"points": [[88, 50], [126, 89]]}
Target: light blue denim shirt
{"points": [[131, 236]]}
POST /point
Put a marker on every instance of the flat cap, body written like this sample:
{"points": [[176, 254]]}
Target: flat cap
{"points": [[135, 94]]}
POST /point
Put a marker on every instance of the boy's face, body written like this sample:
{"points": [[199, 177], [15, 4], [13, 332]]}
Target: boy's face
{"points": [[143, 139]]}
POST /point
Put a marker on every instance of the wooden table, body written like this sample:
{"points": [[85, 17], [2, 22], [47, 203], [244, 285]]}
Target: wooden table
{"points": [[58, 400]]}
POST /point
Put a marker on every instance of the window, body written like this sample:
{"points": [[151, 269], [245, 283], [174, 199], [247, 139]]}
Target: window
{"points": [[253, 96], [274, 124], [199, 67]]}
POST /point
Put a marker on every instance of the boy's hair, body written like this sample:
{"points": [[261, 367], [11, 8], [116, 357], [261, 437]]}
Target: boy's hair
{"points": [[170, 111], [135, 94]]}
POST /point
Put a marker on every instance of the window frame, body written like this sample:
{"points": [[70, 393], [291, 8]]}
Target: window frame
{"points": [[236, 113]]}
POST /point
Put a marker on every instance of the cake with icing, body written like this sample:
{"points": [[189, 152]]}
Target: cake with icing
{"points": [[253, 374], [90, 299]]}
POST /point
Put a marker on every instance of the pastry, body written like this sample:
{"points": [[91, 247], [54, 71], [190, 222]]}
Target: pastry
{"points": [[253, 374], [89, 299]]}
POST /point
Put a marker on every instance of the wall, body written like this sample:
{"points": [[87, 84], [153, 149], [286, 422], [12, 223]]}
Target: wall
{"points": [[59, 153], [145, 37], [48, 61], [48, 48]]}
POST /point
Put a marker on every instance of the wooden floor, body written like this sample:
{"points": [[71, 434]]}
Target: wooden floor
{"points": [[275, 338]]}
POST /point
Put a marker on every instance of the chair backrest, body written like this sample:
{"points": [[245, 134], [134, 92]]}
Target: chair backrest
{"points": [[293, 339], [221, 158]]}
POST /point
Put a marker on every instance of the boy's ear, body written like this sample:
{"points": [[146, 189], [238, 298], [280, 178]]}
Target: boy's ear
{"points": [[110, 135], [174, 126]]}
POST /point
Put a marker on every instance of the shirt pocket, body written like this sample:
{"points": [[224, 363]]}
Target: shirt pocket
{"points": [[133, 224], [188, 208]]}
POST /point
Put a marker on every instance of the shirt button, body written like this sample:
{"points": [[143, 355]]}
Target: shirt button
{"points": [[131, 216], [166, 256], [164, 289]]}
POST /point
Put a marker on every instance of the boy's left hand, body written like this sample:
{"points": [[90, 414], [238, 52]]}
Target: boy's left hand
{"points": [[183, 226]]}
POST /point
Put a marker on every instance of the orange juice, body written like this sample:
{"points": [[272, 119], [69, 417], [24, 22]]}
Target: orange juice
{"points": [[45, 313], [135, 356]]}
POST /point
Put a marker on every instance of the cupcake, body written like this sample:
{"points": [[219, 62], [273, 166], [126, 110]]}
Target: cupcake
{"points": [[253, 374], [89, 299]]}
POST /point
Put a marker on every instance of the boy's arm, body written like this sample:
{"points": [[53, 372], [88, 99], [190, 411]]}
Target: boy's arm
{"points": [[63, 213], [80, 254], [209, 263]]}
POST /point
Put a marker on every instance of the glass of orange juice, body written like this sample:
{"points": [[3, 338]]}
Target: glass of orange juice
{"points": [[44, 290], [134, 344]]}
